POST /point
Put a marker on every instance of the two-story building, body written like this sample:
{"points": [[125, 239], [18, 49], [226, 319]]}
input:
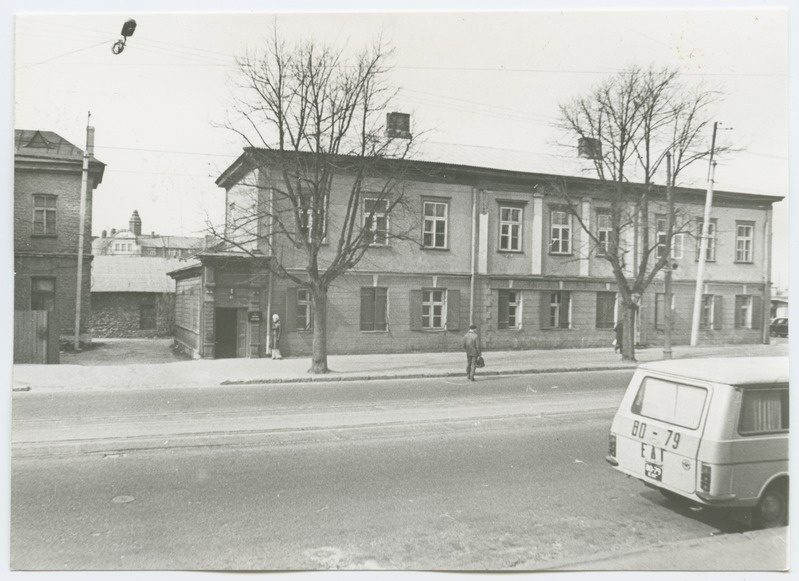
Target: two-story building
{"points": [[501, 248], [131, 242], [47, 191]]}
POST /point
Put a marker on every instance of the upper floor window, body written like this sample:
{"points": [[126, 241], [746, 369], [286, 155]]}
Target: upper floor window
{"points": [[711, 239], [744, 237], [375, 221], [662, 235], [44, 215], [561, 232], [603, 229], [435, 224], [510, 229]]}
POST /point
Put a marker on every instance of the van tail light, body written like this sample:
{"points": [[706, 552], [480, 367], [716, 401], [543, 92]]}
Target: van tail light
{"points": [[704, 479], [612, 445]]}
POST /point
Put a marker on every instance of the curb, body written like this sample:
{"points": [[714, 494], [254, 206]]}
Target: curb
{"points": [[385, 376]]}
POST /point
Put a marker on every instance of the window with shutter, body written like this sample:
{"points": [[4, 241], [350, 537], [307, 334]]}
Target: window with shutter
{"points": [[374, 302], [415, 310], [453, 307]]}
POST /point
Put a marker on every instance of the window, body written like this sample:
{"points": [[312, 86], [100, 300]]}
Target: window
{"points": [[666, 401], [660, 306], [663, 239], [375, 221], [433, 306], [44, 214], [43, 294], [510, 229], [561, 232], [147, 320], [743, 241], [711, 240], [711, 312], [435, 224], [304, 320], [307, 217], [603, 229], [605, 310], [509, 309], [374, 303], [556, 310], [748, 312], [764, 411]]}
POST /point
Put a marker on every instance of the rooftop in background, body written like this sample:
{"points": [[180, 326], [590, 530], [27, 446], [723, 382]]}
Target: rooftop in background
{"points": [[134, 274]]}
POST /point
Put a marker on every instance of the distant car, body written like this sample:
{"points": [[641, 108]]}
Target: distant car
{"points": [[779, 327]]}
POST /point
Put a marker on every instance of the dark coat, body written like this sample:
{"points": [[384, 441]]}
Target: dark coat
{"points": [[471, 343]]}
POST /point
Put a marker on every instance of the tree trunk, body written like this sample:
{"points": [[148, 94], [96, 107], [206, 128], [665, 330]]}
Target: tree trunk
{"points": [[319, 351], [628, 339]]}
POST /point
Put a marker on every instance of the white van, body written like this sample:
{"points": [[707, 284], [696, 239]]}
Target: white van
{"points": [[714, 431]]}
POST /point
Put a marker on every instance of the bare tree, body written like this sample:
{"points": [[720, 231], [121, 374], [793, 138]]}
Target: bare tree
{"points": [[627, 126], [313, 118]]}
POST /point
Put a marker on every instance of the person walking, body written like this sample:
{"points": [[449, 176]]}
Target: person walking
{"points": [[274, 338], [471, 344], [619, 330]]}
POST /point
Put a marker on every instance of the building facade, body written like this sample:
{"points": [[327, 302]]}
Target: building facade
{"points": [[506, 250], [47, 192]]}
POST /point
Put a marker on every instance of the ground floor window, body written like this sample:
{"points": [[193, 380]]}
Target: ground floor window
{"points": [[605, 310], [147, 320], [556, 309], [43, 294], [711, 312], [509, 309], [748, 312], [433, 309], [374, 308], [660, 309], [304, 318]]}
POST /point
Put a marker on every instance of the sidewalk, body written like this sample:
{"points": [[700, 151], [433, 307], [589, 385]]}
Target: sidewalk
{"points": [[206, 372]]}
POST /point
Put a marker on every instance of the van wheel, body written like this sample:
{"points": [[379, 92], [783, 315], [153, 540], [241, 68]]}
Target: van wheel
{"points": [[772, 508]]}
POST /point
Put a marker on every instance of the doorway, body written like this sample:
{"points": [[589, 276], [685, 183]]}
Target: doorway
{"points": [[226, 333]]}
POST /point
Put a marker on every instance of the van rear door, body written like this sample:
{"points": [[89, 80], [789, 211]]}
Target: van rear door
{"points": [[658, 431]]}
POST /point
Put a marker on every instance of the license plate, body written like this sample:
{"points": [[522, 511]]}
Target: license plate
{"points": [[651, 453], [653, 471]]}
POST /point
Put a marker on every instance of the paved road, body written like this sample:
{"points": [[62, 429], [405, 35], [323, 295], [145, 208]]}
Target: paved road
{"points": [[513, 478]]}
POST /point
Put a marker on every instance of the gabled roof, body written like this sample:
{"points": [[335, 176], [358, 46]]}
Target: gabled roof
{"points": [[47, 145], [133, 274]]}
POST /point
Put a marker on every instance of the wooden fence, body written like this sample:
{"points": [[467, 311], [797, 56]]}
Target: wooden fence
{"points": [[36, 337]]}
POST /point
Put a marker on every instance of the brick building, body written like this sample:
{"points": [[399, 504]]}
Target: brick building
{"points": [[47, 185], [496, 247]]}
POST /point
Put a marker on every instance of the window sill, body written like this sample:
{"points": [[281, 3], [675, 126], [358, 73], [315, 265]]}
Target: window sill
{"points": [[744, 262], [44, 235], [503, 251], [561, 253], [436, 248], [375, 331]]}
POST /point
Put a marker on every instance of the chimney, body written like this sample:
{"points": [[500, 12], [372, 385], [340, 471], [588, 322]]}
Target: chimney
{"points": [[103, 234], [589, 148], [113, 231], [398, 125], [135, 223]]}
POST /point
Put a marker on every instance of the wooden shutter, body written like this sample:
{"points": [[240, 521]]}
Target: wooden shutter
{"points": [[717, 312], [739, 302], [453, 310], [544, 297], [502, 320], [290, 321], [381, 309], [757, 312], [367, 309], [415, 310], [565, 309]]}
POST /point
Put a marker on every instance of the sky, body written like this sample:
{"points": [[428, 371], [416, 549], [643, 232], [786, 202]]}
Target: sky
{"points": [[490, 81]]}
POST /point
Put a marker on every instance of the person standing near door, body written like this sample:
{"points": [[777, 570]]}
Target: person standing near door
{"points": [[274, 337]]}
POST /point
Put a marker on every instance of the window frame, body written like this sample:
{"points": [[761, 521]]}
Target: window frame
{"points": [[602, 245], [560, 240], [305, 306], [513, 225], [434, 220], [503, 298], [45, 211], [661, 223], [711, 240], [605, 324], [36, 293], [375, 216], [783, 390], [750, 239], [428, 320], [560, 310]]}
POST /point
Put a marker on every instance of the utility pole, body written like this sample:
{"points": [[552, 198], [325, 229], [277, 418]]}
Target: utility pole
{"points": [[84, 180], [669, 242], [703, 243]]}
